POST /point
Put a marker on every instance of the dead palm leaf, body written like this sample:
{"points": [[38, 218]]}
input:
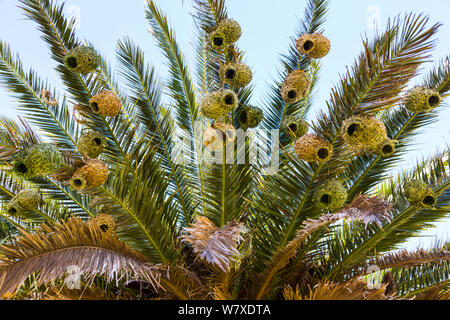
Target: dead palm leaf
{"points": [[53, 250]]}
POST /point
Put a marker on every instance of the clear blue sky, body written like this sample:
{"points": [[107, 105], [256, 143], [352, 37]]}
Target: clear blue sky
{"points": [[267, 26]]}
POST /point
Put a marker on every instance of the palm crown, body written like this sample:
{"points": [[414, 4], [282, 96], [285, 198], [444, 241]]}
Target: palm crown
{"points": [[105, 192]]}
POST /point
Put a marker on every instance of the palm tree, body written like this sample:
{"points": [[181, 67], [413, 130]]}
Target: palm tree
{"points": [[93, 188]]}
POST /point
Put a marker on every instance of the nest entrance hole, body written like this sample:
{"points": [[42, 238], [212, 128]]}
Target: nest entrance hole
{"points": [[72, 62]]}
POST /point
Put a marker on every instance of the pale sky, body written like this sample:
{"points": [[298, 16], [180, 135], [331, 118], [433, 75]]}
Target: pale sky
{"points": [[267, 26]]}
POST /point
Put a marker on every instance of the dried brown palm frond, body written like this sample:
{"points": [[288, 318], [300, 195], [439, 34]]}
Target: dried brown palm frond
{"points": [[406, 259], [368, 210], [391, 283], [282, 257], [51, 250], [441, 292], [60, 291], [351, 290], [218, 246], [182, 284], [46, 95]]}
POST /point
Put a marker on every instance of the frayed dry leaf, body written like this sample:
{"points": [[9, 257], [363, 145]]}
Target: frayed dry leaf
{"points": [[406, 259], [368, 210], [48, 99], [51, 251], [351, 290], [217, 246]]}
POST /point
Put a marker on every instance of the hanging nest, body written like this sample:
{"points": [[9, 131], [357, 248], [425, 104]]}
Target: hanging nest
{"points": [[236, 75], [419, 193], [312, 148], [104, 222], [421, 99], [216, 105], [37, 161], [330, 195], [294, 126], [295, 86], [363, 132], [386, 149], [218, 135], [24, 201], [82, 60], [106, 103], [224, 34], [91, 144], [249, 117], [92, 174], [314, 45]]}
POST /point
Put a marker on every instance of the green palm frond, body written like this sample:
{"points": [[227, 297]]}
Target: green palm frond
{"points": [[275, 107], [392, 51], [136, 195], [142, 82], [355, 242], [375, 82], [26, 86], [366, 171], [14, 136], [61, 38], [180, 85], [207, 13], [416, 280]]}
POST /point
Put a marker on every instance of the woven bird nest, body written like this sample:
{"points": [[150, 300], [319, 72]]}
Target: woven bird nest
{"points": [[363, 132], [91, 144], [104, 222], [218, 135], [294, 126], [295, 86], [330, 195], [312, 148], [37, 161], [106, 103], [224, 34], [82, 60], [236, 75], [421, 99], [314, 45], [386, 149], [24, 201], [249, 117], [92, 174], [216, 105], [419, 193]]}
